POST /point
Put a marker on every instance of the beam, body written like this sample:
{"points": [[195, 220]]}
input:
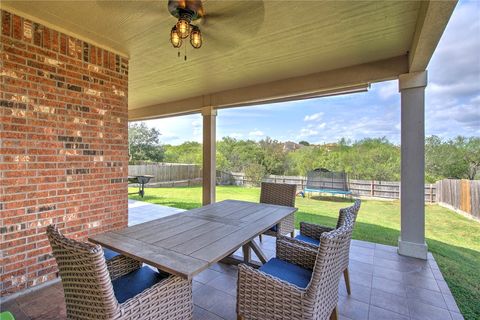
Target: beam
{"points": [[432, 21], [209, 155], [338, 80]]}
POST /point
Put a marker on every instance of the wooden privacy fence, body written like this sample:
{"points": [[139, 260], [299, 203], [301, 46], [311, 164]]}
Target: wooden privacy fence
{"points": [[168, 174], [461, 195], [176, 175], [364, 188]]}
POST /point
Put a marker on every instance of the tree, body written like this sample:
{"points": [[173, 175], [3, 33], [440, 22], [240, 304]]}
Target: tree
{"points": [[144, 143], [273, 156], [254, 173], [236, 155], [187, 152], [304, 143], [458, 158], [471, 155]]}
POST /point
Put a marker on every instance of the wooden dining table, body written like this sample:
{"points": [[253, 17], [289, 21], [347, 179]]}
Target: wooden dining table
{"points": [[189, 242]]}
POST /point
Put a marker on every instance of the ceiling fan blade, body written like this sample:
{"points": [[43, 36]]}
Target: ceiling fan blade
{"points": [[234, 12], [226, 43]]}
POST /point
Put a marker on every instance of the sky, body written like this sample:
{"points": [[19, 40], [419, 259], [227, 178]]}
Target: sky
{"points": [[452, 102]]}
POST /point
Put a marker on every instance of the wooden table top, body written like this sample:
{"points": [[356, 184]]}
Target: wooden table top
{"points": [[189, 242]]}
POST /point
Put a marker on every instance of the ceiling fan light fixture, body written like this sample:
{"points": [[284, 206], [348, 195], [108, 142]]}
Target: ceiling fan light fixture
{"points": [[175, 38], [183, 24], [196, 37]]}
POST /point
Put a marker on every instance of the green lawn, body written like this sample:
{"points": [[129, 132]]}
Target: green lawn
{"points": [[453, 239]]}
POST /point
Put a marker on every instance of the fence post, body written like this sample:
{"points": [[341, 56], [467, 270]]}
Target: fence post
{"points": [[431, 193], [372, 188]]}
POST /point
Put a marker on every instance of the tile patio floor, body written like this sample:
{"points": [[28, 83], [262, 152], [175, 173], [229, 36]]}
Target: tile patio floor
{"points": [[384, 285]]}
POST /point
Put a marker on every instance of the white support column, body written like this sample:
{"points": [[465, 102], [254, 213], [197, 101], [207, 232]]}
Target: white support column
{"points": [[412, 199], [209, 151]]}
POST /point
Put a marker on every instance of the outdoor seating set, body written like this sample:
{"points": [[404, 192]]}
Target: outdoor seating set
{"points": [[301, 282]]}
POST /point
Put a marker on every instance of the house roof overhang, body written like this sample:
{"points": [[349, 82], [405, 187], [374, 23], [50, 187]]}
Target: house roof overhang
{"points": [[254, 51]]}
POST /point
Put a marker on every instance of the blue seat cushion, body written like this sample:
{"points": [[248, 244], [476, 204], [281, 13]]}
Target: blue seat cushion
{"points": [[135, 282], [308, 239], [288, 272], [109, 254]]}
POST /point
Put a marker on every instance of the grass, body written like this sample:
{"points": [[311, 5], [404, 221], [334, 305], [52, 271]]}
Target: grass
{"points": [[453, 240]]}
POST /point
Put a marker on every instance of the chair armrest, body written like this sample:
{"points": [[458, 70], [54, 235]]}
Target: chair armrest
{"points": [[313, 230], [171, 297], [258, 292], [121, 265], [296, 252]]}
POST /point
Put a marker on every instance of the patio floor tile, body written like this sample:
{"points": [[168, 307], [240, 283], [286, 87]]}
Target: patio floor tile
{"points": [[386, 273], [389, 302], [358, 292], [225, 283], [456, 316], [426, 296], [207, 276], [422, 311], [202, 314], [363, 244], [215, 301], [377, 313], [363, 278], [390, 286], [353, 309]]}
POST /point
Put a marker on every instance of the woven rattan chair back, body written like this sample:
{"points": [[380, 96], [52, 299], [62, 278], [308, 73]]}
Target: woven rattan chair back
{"points": [[353, 208], [85, 278], [279, 194], [323, 287]]}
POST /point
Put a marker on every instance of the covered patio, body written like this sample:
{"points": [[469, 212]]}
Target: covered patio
{"points": [[74, 74]]}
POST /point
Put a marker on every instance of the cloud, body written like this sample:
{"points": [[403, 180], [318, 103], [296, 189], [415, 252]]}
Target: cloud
{"points": [[313, 117], [387, 89], [197, 133], [454, 72], [307, 133], [256, 133]]}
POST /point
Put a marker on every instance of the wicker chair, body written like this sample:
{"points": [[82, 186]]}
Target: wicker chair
{"points": [[301, 283], [310, 235], [117, 289], [282, 195]]}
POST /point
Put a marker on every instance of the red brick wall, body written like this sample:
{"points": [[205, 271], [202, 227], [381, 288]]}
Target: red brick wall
{"points": [[63, 145]]}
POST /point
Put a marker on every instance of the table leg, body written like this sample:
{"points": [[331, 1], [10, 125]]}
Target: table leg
{"points": [[258, 251], [247, 254]]}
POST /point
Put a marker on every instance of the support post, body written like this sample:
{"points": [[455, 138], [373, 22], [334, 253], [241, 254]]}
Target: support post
{"points": [[412, 189], [209, 149]]}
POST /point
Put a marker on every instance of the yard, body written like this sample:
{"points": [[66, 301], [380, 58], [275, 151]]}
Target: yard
{"points": [[453, 239]]}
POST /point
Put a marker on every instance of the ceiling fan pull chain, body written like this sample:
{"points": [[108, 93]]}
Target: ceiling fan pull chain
{"points": [[185, 53]]}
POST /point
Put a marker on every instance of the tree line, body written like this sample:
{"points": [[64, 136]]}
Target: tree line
{"points": [[369, 158]]}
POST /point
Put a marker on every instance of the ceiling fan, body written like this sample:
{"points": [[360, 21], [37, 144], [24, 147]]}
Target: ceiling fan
{"points": [[221, 25], [186, 11]]}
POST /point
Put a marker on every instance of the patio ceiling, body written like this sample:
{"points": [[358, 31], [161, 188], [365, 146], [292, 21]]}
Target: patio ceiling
{"points": [[253, 50]]}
